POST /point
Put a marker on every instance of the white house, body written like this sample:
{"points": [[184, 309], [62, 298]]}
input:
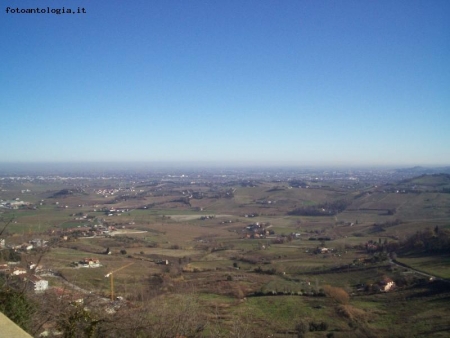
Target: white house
{"points": [[18, 271], [38, 283], [90, 263], [386, 284]]}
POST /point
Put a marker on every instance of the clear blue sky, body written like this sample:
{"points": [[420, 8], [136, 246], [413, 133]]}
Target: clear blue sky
{"points": [[298, 82]]}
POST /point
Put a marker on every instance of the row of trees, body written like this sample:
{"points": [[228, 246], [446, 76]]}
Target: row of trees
{"points": [[436, 241], [428, 241]]}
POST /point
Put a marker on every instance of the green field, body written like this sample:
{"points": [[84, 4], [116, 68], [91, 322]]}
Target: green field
{"points": [[438, 266]]}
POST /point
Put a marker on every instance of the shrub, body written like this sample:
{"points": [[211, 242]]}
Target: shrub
{"points": [[301, 328], [16, 306], [322, 326], [339, 295]]}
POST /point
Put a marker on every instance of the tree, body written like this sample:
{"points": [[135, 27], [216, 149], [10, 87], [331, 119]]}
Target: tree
{"points": [[301, 328], [15, 305], [322, 326], [10, 255], [79, 323]]}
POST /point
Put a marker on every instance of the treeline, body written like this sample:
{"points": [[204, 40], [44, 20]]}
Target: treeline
{"points": [[428, 241], [297, 184], [323, 209]]}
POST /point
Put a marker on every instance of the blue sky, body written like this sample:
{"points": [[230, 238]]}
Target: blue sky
{"points": [[288, 82]]}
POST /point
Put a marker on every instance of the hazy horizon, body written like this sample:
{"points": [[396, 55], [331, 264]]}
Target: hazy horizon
{"points": [[200, 165]]}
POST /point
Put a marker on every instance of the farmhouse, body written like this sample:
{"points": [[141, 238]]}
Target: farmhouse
{"points": [[26, 247], [18, 271], [90, 263], [386, 284], [38, 243], [162, 262], [322, 250], [37, 283], [34, 267]]}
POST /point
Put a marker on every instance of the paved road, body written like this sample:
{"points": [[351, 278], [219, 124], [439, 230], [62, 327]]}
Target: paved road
{"points": [[412, 269]]}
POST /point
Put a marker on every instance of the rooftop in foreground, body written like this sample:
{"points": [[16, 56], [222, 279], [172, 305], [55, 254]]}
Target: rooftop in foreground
{"points": [[11, 329]]}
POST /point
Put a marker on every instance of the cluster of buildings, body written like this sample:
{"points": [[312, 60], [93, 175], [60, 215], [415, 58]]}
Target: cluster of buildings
{"points": [[17, 273], [13, 204], [84, 231], [88, 263], [107, 192], [257, 230], [116, 211], [24, 247], [26, 275]]}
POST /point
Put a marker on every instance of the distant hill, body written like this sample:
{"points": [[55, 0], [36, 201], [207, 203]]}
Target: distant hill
{"points": [[434, 182], [67, 192], [418, 170], [431, 180]]}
